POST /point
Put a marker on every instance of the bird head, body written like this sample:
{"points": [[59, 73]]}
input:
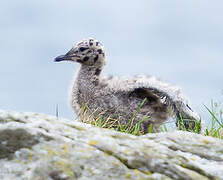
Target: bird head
{"points": [[88, 52]]}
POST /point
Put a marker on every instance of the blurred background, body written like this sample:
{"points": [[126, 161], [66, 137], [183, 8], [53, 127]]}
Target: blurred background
{"points": [[180, 42]]}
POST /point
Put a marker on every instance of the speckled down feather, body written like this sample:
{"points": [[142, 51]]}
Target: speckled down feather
{"points": [[119, 98]]}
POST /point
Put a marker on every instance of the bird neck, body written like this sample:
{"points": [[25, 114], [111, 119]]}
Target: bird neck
{"points": [[88, 77]]}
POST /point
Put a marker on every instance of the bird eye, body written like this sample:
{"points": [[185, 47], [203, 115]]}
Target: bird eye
{"points": [[81, 49], [99, 51]]}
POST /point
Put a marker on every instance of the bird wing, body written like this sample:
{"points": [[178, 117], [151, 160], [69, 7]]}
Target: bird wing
{"points": [[144, 86], [155, 90]]}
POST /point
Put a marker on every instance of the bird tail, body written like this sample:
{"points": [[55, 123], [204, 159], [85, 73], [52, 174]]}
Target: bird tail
{"points": [[185, 117]]}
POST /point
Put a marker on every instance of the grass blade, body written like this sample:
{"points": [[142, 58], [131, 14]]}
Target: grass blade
{"points": [[214, 117]]}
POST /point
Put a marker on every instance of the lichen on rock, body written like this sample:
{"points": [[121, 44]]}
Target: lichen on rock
{"points": [[38, 146]]}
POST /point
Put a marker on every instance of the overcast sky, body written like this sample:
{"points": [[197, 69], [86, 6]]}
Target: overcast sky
{"points": [[180, 42]]}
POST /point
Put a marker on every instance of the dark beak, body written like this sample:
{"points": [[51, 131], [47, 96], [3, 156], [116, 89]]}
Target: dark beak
{"points": [[67, 57], [62, 58]]}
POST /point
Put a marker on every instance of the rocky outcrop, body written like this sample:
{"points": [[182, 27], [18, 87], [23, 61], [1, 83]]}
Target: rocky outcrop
{"points": [[37, 146]]}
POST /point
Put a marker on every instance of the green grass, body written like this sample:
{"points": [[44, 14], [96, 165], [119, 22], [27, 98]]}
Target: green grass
{"points": [[109, 122], [193, 126], [215, 130], [216, 116]]}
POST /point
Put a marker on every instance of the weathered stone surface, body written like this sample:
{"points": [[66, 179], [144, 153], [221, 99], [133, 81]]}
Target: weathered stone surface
{"points": [[37, 146]]}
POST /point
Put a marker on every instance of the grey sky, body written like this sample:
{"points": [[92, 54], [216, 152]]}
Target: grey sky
{"points": [[179, 41]]}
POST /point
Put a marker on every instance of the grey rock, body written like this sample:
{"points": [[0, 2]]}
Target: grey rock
{"points": [[38, 146]]}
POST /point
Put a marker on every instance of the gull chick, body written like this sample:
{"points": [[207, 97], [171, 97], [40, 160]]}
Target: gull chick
{"points": [[143, 99]]}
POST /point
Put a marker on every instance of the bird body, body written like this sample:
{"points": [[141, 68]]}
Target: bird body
{"points": [[142, 97]]}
